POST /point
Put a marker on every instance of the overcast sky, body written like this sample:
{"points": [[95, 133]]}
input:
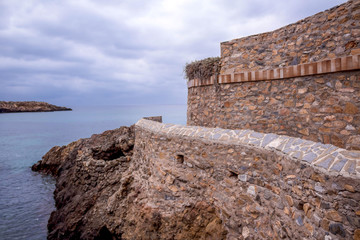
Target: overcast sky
{"points": [[111, 52]]}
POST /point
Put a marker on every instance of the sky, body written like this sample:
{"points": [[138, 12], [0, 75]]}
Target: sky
{"points": [[124, 52]]}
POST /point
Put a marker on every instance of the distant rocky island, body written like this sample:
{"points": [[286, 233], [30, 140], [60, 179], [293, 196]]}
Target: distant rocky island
{"points": [[29, 106]]}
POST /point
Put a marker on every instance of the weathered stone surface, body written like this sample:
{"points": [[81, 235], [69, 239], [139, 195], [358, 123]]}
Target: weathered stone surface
{"points": [[334, 216], [297, 80], [247, 168], [91, 183], [353, 142], [321, 114], [337, 229], [357, 234], [298, 43]]}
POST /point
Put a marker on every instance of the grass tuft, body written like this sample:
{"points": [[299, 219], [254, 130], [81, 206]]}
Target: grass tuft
{"points": [[202, 69]]}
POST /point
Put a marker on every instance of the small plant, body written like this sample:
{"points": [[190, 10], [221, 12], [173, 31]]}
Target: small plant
{"points": [[202, 69]]}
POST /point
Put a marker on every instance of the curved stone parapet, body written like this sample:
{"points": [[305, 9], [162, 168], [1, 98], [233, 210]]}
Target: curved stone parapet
{"points": [[324, 157], [262, 186]]}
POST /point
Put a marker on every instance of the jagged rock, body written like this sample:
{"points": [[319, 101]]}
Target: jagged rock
{"points": [[101, 193], [87, 172]]}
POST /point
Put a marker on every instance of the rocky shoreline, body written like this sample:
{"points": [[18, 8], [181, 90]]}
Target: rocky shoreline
{"points": [[101, 193], [29, 106], [87, 172]]}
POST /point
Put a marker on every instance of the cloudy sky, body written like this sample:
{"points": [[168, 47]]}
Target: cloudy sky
{"points": [[111, 52]]}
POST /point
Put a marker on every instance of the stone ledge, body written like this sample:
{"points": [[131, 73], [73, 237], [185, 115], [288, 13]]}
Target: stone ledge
{"points": [[334, 65], [324, 157]]}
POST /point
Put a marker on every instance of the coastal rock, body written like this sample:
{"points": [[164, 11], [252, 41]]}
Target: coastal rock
{"points": [[87, 172], [9, 107], [101, 193]]}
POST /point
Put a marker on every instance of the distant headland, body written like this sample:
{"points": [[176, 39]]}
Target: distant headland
{"points": [[29, 106]]}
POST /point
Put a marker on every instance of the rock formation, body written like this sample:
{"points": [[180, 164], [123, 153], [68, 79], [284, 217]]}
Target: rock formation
{"points": [[101, 194], [9, 107]]}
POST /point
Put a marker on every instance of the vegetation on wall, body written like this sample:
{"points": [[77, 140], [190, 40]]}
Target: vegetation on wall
{"points": [[202, 69]]}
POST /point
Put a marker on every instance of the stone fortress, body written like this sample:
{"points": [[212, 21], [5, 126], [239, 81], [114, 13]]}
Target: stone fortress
{"points": [[271, 146]]}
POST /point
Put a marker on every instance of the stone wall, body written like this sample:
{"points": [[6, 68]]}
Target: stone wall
{"points": [[326, 35], [258, 185], [323, 108], [302, 80]]}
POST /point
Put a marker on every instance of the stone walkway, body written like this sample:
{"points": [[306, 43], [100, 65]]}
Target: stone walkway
{"points": [[325, 157]]}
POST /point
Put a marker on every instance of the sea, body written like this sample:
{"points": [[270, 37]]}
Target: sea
{"points": [[26, 197]]}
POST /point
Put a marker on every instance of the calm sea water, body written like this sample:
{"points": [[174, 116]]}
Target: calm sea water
{"points": [[26, 198]]}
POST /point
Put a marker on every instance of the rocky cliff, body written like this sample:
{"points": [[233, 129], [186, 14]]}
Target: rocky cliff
{"points": [[101, 194], [8, 107]]}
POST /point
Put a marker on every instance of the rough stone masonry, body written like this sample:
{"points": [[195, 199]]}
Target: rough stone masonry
{"points": [[301, 80], [261, 186]]}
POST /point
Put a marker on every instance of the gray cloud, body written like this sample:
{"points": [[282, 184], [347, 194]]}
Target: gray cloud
{"points": [[123, 52]]}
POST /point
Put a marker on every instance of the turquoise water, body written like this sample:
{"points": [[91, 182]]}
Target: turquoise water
{"points": [[26, 198]]}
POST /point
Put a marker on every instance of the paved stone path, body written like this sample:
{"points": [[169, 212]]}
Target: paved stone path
{"points": [[325, 157]]}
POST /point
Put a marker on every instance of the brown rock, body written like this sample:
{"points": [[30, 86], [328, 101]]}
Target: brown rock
{"points": [[350, 108], [355, 51], [357, 234], [345, 132], [315, 110], [84, 165], [240, 94], [284, 112], [325, 130], [349, 188], [302, 90], [310, 98], [162, 155], [337, 141], [304, 131], [326, 139], [289, 103], [317, 119], [228, 104], [348, 118], [325, 224], [297, 190], [307, 105], [334, 216], [330, 118], [327, 110], [320, 80], [336, 124], [317, 177], [275, 190], [214, 228], [286, 211], [310, 228], [350, 44], [252, 107], [289, 200], [303, 111], [353, 143], [260, 99], [306, 207]]}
